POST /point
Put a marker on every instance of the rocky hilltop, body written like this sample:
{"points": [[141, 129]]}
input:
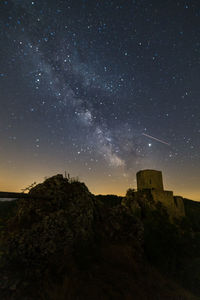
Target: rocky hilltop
{"points": [[65, 243]]}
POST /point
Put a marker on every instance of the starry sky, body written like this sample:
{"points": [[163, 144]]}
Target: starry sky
{"points": [[100, 89]]}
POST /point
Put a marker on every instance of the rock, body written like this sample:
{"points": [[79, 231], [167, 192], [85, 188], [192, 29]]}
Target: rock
{"points": [[131, 202], [61, 229], [119, 224], [51, 226]]}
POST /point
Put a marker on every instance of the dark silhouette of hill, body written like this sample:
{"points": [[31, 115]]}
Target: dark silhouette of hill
{"points": [[7, 210], [109, 200], [69, 244], [192, 209]]}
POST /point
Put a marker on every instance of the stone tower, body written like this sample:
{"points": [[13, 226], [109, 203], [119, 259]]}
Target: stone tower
{"points": [[152, 181], [149, 179]]}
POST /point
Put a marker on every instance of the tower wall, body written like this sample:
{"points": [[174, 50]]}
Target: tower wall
{"points": [[149, 179]]}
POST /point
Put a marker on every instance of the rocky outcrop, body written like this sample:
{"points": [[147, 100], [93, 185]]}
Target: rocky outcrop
{"points": [[58, 222], [47, 227], [64, 212], [139, 202]]}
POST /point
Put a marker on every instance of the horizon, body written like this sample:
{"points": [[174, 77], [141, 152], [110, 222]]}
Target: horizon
{"points": [[97, 192]]}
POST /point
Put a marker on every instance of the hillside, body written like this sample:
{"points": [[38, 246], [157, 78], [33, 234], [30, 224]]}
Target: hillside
{"points": [[192, 209], [69, 244], [7, 210]]}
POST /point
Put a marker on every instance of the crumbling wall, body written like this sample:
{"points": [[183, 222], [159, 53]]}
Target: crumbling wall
{"points": [[165, 197], [174, 205]]}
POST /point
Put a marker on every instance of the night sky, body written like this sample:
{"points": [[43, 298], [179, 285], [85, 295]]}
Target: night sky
{"points": [[86, 86]]}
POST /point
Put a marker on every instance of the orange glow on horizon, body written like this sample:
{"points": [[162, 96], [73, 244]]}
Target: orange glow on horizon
{"points": [[98, 185]]}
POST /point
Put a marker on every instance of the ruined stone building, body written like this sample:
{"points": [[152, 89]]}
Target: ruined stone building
{"points": [[151, 181]]}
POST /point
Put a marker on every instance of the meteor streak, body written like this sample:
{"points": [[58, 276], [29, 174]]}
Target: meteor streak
{"points": [[156, 139]]}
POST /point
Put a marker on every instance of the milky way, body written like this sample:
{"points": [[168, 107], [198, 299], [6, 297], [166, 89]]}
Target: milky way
{"points": [[86, 83]]}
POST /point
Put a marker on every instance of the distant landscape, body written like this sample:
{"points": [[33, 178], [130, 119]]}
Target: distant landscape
{"points": [[6, 199]]}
